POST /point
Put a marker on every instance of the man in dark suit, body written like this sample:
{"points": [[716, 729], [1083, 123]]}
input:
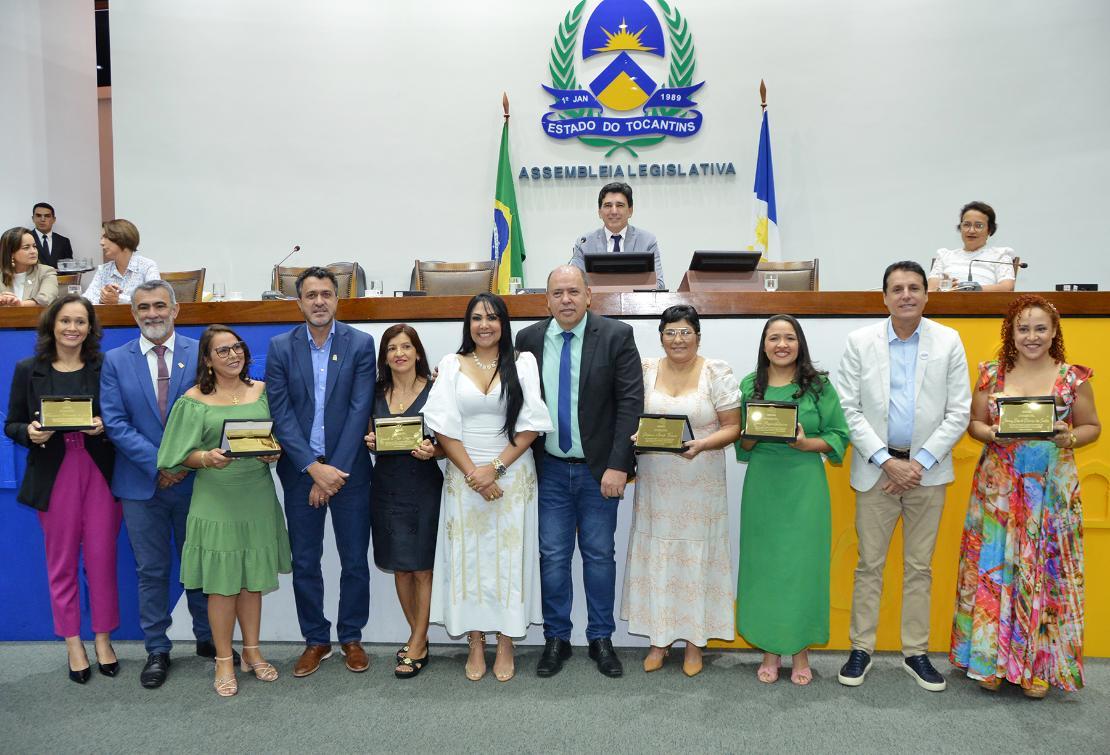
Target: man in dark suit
{"points": [[593, 386], [614, 207], [140, 381], [52, 246], [320, 381]]}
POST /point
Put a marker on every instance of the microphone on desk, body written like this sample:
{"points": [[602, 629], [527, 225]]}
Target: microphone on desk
{"points": [[271, 294], [970, 285]]}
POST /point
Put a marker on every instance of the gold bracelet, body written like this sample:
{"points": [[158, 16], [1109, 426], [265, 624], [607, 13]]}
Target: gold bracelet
{"points": [[1073, 439]]}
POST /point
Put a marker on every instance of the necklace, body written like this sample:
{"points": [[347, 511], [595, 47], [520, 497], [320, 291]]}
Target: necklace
{"points": [[482, 365], [235, 396], [409, 394]]}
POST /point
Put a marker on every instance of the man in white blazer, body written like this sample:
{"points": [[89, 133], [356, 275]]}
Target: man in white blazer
{"points": [[614, 207], [904, 387]]}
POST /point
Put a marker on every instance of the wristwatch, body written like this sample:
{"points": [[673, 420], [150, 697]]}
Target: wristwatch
{"points": [[499, 467]]}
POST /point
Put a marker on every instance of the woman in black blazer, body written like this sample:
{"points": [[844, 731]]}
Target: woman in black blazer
{"points": [[67, 478]]}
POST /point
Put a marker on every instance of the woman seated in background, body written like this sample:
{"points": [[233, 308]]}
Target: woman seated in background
{"points": [[1019, 590], [405, 491], [236, 543], [23, 281], [992, 267], [782, 603], [67, 479], [124, 268], [486, 408], [678, 578]]}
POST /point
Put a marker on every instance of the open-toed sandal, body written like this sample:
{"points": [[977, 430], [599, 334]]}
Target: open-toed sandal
{"points": [[414, 665], [404, 649], [476, 674], [769, 674], [263, 671], [801, 676], [228, 686], [504, 676]]}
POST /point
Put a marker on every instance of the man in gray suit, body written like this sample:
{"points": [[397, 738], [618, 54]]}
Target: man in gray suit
{"points": [[614, 207]]}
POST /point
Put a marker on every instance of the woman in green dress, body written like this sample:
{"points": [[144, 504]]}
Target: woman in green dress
{"points": [[782, 605], [235, 538]]}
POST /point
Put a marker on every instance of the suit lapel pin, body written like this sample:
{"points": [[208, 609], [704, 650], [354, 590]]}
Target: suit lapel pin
{"points": [[335, 357], [180, 365]]}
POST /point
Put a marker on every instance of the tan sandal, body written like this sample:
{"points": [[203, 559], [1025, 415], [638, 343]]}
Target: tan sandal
{"points": [[1037, 691], [228, 686], [264, 671], [475, 674], [504, 676]]}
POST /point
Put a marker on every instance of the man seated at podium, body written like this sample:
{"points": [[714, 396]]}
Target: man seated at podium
{"points": [[614, 207]]}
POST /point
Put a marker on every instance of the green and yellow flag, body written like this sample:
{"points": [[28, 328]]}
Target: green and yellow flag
{"points": [[507, 248]]}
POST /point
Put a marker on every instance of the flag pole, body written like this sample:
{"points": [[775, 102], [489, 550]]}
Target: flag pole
{"points": [[762, 97], [505, 105]]}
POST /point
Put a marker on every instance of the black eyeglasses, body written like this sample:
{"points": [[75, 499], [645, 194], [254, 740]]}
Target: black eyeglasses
{"points": [[223, 352]]}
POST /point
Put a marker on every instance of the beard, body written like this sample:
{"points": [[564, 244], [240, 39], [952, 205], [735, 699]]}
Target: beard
{"points": [[156, 331]]}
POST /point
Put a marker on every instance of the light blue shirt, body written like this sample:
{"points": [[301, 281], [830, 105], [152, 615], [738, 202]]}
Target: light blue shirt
{"points": [[552, 353], [139, 270], [320, 357], [903, 370]]}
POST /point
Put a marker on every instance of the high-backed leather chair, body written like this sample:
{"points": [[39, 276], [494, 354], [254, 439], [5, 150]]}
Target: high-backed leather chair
{"points": [[188, 285], [346, 274], [801, 275], [455, 278]]}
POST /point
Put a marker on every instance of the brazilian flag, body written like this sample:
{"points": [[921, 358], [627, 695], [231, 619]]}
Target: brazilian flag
{"points": [[507, 249]]}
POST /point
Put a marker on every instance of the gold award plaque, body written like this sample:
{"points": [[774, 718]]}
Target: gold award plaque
{"points": [[1026, 417], [66, 413], [398, 434], [249, 437], [771, 420], [663, 432]]}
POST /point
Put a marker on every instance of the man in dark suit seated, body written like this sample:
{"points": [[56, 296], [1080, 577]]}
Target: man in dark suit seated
{"points": [[320, 382], [593, 385], [614, 207], [52, 246]]}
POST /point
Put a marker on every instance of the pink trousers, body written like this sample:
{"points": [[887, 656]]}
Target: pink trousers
{"points": [[83, 519]]}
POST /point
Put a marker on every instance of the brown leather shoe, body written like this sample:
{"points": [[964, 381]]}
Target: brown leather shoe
{"points": [[356, 658], [310, 659]]}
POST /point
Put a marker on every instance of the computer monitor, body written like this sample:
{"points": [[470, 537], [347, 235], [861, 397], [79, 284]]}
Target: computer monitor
{"points": [[724, 262], [622, 262]]}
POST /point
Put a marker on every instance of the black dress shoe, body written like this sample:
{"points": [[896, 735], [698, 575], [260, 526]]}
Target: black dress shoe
{"points": [[155, 670], [81, 676], [206, 649], [602, 653], [853, 672], [927, 677], [555, 651]]}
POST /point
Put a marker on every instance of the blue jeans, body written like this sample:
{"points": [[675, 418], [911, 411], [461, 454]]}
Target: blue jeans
{"points": [[154, 527], [350, 520], [570, 502]]}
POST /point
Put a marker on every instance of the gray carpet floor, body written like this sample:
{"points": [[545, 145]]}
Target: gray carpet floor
{"points": [[724, 709]]}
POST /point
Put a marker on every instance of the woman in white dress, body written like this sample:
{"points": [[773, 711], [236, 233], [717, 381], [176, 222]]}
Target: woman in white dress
{"points": [[486, 409], [678, 580], [992, 267]]}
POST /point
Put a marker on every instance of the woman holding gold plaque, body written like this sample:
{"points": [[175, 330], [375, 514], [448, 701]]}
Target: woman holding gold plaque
{"points": [[405, 490], [782, 604], [69, 467], [677, 581], [235, 538], [1019, 599], [486, 409]]}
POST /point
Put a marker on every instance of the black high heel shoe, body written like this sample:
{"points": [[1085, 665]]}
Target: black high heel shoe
{"points": [[108, 669], [81, 676]]}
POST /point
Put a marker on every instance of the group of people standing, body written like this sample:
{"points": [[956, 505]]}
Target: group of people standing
{"points": [[538, 433]]}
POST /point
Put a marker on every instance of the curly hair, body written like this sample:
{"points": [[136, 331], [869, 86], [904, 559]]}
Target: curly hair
{"points": [[206, 379], [1007, 353]]}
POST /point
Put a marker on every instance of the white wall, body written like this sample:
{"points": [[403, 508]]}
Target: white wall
{"points": [[370, 131], [49, 147]]}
